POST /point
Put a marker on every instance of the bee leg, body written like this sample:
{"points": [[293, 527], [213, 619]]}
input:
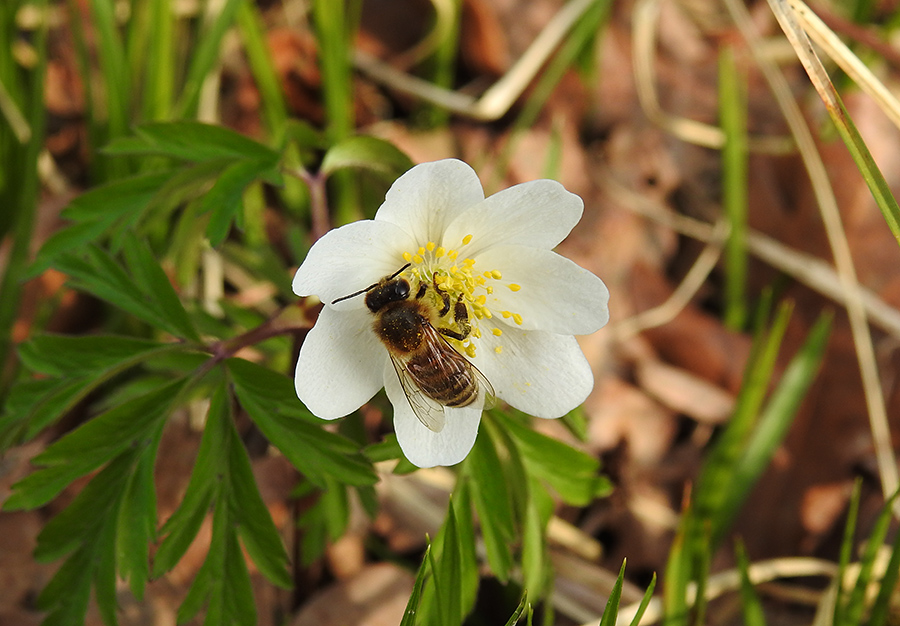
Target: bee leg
{"points": [[423, 288], [444, 297], [461, 317]]}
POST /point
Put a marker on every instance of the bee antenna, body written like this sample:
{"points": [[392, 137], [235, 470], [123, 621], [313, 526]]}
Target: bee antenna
{"points": [[397, 273], [371, 287]]}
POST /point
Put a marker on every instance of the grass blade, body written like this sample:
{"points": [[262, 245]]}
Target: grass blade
{"points": [[611, 612], [733, 114], [751, 607], [716, 478], [840, 607], [205, 57], [274, 109], [23, 193], [645, 602], [775, 422], [856, 603]]}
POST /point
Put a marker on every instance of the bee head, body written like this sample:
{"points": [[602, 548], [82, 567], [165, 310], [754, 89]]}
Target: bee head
{"points": [[391, 290], [388, 289]]}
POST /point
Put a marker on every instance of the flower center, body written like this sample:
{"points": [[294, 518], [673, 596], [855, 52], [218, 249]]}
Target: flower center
{"points": [[434, 265]]}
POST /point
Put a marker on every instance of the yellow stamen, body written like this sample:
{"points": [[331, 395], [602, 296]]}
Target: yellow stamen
{"points": [[506, 314], [467, 239], [417, 258], [514, 287], [498, 349], [490, 290], [497, 332], [470, 351], [407, 257], [439, 252], [421, 251], [452, 254], [517, 318], [496, 274], [481, 299], [429, 246], [476, 333]]}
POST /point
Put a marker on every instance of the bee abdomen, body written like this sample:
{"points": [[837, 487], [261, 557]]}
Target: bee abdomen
{"points": [[452, 384]]}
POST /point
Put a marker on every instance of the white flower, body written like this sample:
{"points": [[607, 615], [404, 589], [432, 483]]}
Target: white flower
{"points": [[524, 301]]}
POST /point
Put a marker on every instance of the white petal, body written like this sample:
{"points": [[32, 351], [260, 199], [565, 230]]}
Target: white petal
{"points": [[426, 448], [341, 363], [429, 196], [351, 258], [556, 294], [542, 374], [539, 213]]}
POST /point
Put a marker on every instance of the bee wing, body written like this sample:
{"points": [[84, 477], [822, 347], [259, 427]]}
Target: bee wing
{"points": [[485, 390], [430, 412]]}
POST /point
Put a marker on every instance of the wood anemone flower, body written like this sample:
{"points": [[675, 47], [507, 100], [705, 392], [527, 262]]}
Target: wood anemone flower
{"points": [[484, 275]]}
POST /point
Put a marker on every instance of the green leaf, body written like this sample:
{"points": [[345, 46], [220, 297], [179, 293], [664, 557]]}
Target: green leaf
{"points": [[366, 152], [223, 583], [156, 286], [191, 141], [147, 295], [95, 211], [35, 404], [67, 355], [180, 529], [272, 404], [136, 523], [96, 442], [225, 199], [65, 598], [255, 526], [493, 503], [78, 522], [572, 473], [536, 567]]}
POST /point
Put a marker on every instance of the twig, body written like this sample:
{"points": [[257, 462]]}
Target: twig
{"points": [[849, 62], [724, 582], [646, 21], [681, 297], [497, 100], [805, 268]]}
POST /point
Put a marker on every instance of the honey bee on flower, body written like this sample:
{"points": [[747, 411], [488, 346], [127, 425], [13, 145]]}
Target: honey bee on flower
{"points": [[446, 299]]}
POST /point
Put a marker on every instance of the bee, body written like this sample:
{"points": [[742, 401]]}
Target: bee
{"points": [[433, 374]]}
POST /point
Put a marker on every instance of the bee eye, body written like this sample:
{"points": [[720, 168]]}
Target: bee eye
{"points": [[402, 289]]}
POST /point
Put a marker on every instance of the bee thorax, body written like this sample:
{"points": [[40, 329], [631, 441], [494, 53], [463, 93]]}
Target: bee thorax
{"points": [[401, 328]]}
